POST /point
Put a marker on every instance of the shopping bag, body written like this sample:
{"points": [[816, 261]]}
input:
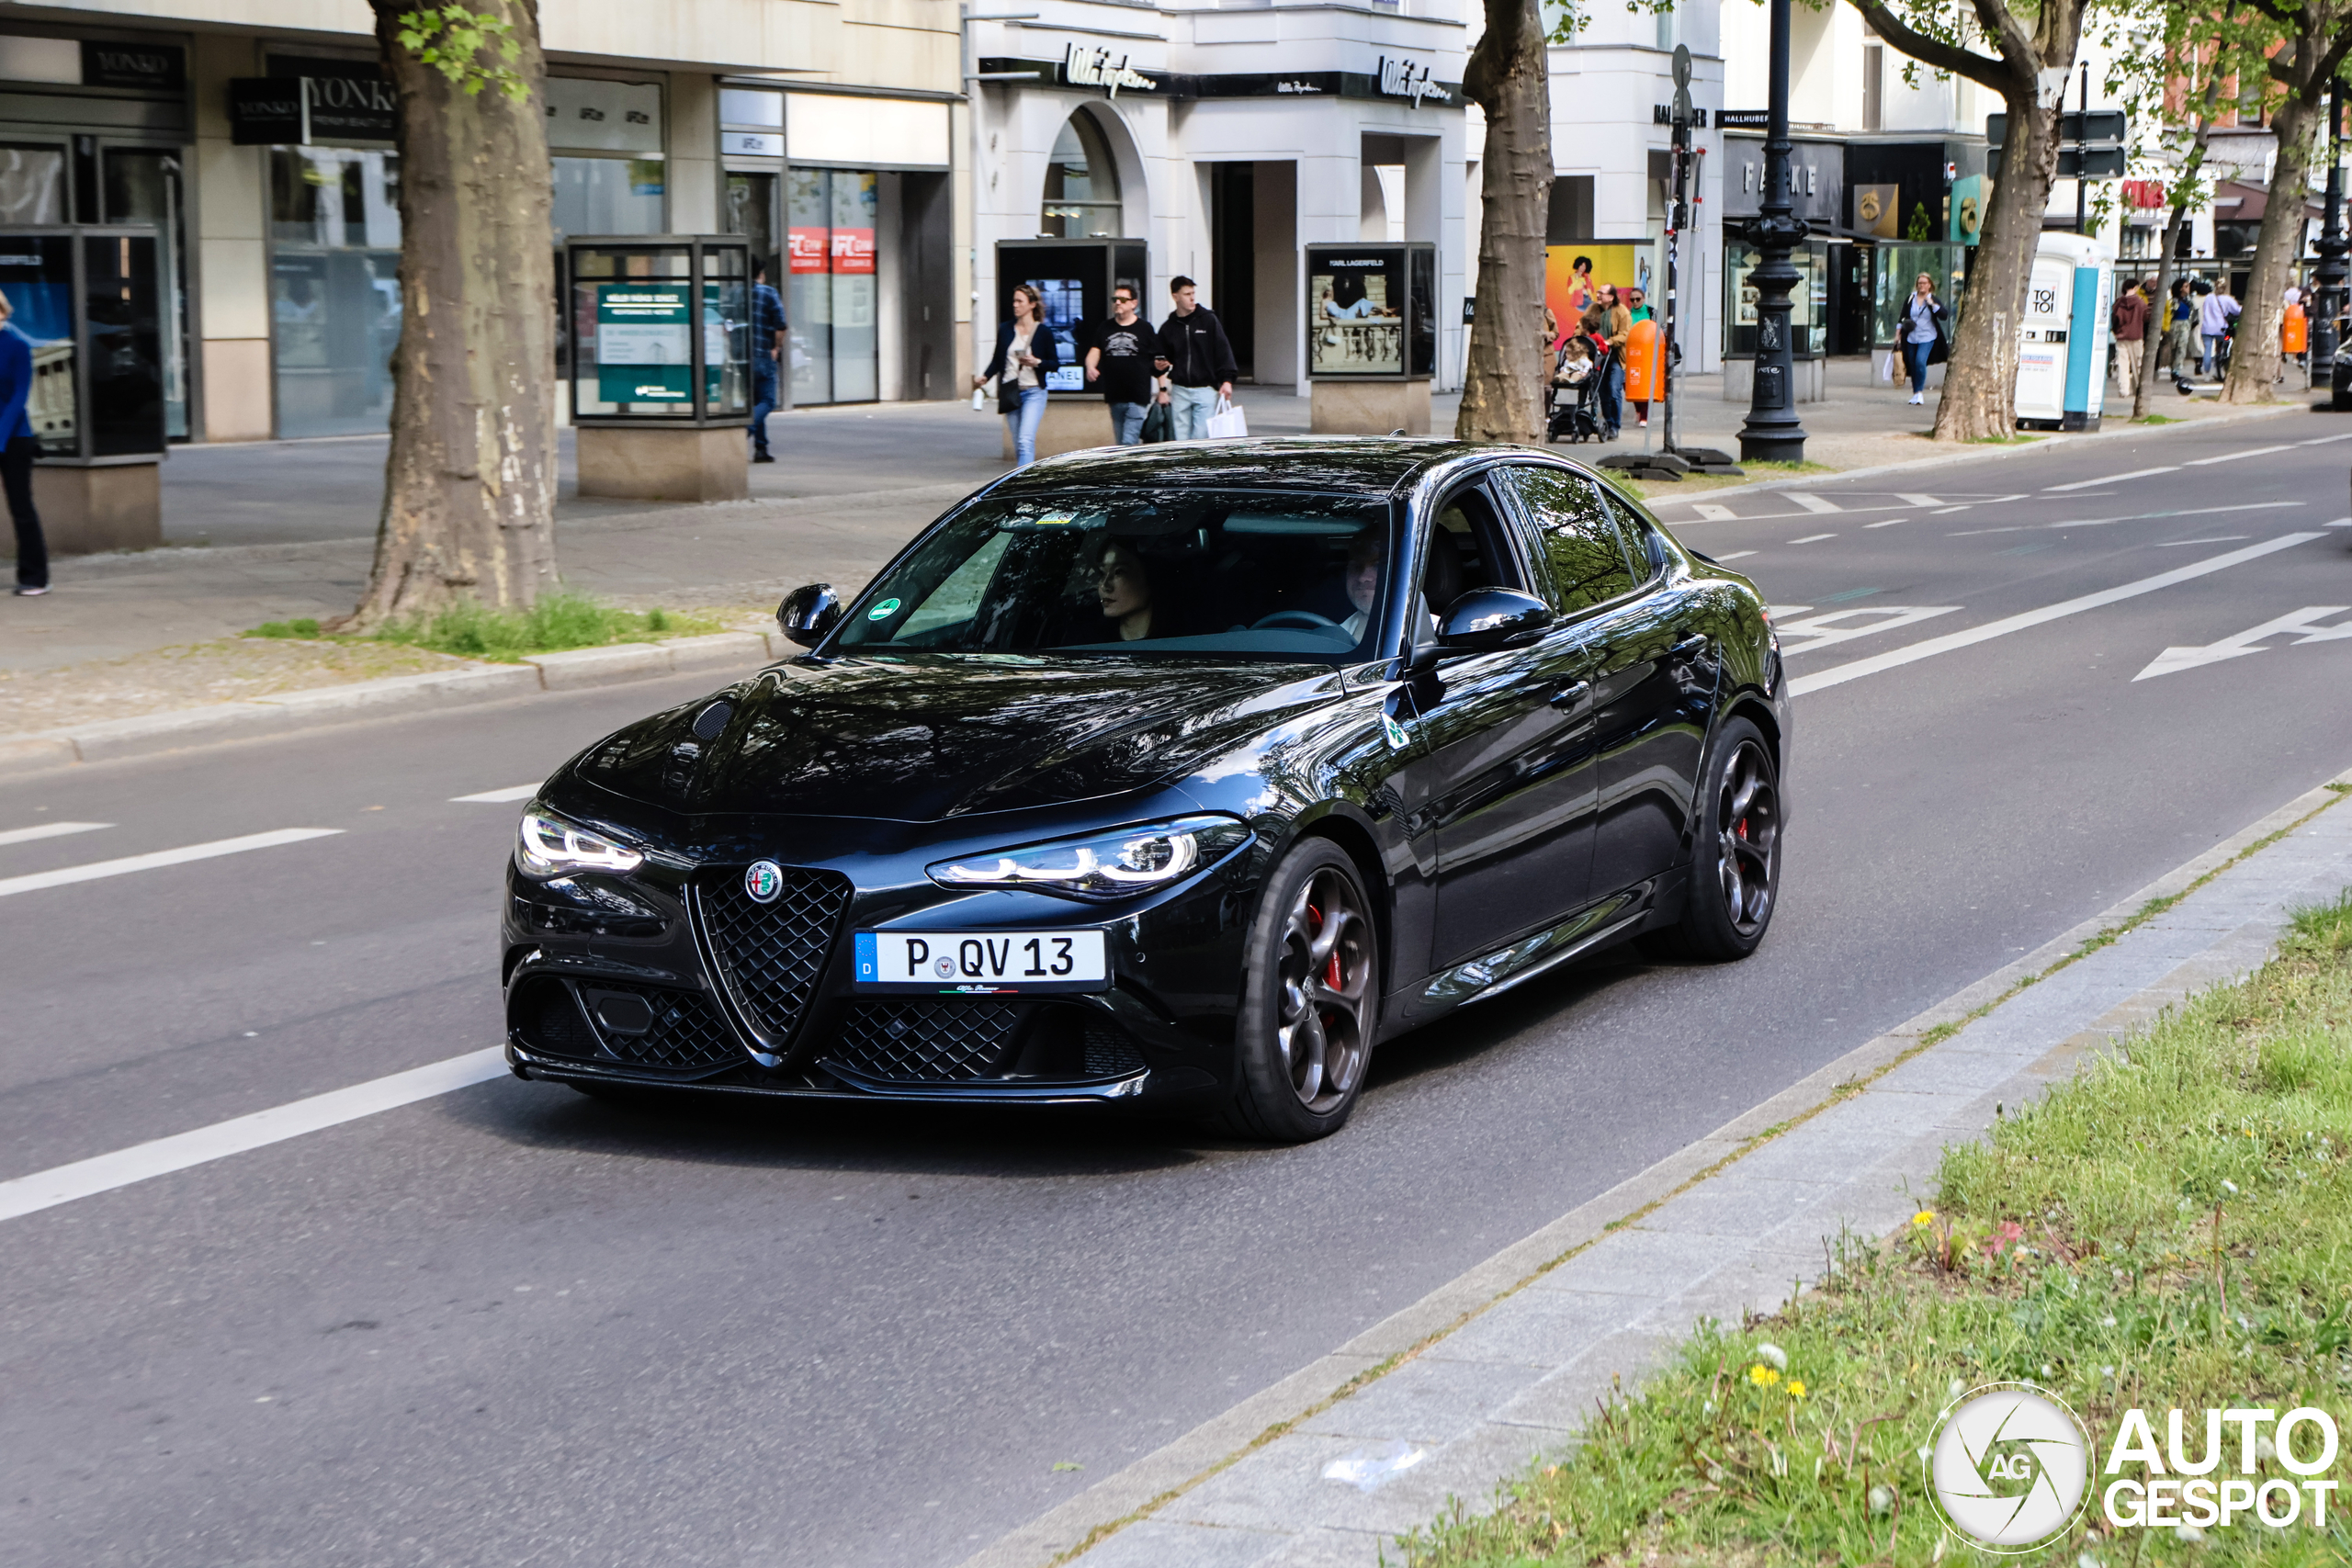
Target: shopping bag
{"points": [[1886, 366], [1157, 426], [1228, 423]]}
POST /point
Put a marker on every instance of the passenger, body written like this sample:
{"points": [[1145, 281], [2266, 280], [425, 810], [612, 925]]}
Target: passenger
{"points": [[1367, 556], [1125, 588]]}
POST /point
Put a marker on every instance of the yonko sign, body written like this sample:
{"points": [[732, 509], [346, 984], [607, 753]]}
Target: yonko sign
{"points": [[2010, 1469]]}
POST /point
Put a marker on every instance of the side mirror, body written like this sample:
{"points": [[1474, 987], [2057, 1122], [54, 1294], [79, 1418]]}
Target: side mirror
{"points": [[1487, 619], [809, 613]]}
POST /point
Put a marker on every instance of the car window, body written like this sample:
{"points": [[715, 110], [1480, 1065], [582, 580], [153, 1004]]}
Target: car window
{"points": [[1468, 547], [1641, 539], [1581, 549]]}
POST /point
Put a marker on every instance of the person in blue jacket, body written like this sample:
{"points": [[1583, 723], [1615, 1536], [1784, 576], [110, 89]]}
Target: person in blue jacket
{"points": [[1025, 356], [18, 447]]}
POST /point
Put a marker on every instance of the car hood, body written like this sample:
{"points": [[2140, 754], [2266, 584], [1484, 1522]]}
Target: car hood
{"points": [[924, 738]]}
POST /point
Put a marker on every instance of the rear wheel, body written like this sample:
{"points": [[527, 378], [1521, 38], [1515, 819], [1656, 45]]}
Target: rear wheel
{"points": [[1310, 999], [1736, 860]]}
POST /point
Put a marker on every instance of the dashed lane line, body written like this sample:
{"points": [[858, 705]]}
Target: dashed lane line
{"points": [[1813, 538], [1888, 523], [96, 869], [1839, 674], [2114, 479], [1735, 554], [496, 796], [49, 831], [2324, 440], [103, 1173], [2233, 456]]}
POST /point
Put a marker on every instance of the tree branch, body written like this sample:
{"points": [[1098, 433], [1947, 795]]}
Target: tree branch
{"points": [[2013, 42], [1934, 52]]}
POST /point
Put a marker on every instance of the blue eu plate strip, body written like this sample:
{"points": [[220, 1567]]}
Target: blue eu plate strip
{"points": [[869, 967]]}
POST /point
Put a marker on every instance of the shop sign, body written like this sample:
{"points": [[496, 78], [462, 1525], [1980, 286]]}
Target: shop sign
{"points": [[853, 250], [1088, 66], [588, 115], [808, 249], [159, 68], [644, 350], [299, 110], [1663, 114], [750, 144], [1401, 78]]}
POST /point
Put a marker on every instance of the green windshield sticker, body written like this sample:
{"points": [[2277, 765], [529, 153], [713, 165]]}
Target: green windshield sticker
{"points": [[883, 611]]}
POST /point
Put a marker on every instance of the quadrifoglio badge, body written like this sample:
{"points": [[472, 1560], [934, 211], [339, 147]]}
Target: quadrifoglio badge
{"points": [[2010, 1468]]}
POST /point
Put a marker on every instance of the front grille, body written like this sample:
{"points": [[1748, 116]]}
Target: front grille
{"points": [[1110, 1053], [682, 1033], [770, 955], [925, 1042]]}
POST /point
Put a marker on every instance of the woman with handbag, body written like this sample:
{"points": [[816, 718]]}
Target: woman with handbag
{"points": [[1025, 356], [1924, 342]]}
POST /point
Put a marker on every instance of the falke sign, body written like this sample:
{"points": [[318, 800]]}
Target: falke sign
{"points": [[1403, 79], [1087, 66]]}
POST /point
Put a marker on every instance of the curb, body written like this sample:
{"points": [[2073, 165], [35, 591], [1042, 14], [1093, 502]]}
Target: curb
{"points": [[1940, 459], [319, 707], [1134, 1494]]}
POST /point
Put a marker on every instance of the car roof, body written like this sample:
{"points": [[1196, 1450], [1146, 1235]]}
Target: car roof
{"points": [[1346, 464]]}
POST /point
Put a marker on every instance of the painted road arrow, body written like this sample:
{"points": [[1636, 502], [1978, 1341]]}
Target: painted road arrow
{"points": [[2303, 621]]}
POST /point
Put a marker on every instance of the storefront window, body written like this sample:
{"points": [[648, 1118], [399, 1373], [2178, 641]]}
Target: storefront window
{"points": [[335, 287], [33, 184], [608, 195], [1898, 269], [145, 185], [834, 343], [1808, 301], [1082, 185]]}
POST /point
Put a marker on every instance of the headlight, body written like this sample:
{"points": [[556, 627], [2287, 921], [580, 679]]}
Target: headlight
{"points": [[550, 846], [1111, 865]]}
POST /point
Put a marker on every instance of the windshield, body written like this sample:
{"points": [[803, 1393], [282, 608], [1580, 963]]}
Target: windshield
{"points": [[1272, 573]]}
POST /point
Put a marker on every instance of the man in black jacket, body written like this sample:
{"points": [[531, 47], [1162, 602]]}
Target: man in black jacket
{"points": [[1197, 360]]}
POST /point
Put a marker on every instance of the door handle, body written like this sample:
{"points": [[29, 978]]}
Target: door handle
{"points": [[1571, 694], [1696, 643]]}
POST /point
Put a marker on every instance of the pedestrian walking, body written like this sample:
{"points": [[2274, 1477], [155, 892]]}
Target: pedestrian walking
{"points": [[1025, 355], [2180, 330], [1121, 362], [1637, 305], [2214, 314], [768, 330], [1924, 323], [1618, 328], [1197, 359], [18, 447], [2130, 323]]}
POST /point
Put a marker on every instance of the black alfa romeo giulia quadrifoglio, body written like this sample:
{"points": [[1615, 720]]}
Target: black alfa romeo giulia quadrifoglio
{"points": [[1167, 775]]}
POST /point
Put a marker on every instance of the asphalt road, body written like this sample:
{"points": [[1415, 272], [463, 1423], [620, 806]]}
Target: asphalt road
{"points": [[509, 1324]]}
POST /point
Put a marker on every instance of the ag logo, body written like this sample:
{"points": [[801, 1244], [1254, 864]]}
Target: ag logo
{"points": [[763, 880], [2009, 1467]]}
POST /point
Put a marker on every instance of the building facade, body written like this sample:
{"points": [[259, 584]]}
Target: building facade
{"points": [[257, 138]]}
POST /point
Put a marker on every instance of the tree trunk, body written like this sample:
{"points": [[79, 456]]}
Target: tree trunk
{"points": [[2253, 358], [469, 483], [1980, 382], [1503, 386]]}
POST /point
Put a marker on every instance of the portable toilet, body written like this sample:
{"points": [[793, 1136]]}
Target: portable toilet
{"points": [[2063, 338]]}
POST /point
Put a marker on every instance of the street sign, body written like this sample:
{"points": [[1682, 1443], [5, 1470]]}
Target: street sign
{"points": [[2089, 163], [2074, 125], [1682, 65]]}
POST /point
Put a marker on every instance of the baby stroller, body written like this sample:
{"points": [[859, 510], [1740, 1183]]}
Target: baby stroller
{"points": [[1575, 411]]}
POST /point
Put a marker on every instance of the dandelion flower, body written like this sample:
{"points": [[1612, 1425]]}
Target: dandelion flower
{"points": [[1796, 1388], [1924, 1217], [1762, 1376], [1774, 1354]]}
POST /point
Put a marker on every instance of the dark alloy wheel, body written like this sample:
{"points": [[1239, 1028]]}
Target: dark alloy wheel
{"points": [[1311, 999], [1736, 862]]}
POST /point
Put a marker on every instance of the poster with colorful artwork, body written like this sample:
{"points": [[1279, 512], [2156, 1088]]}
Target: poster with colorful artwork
{"points": [[1573, 276]]}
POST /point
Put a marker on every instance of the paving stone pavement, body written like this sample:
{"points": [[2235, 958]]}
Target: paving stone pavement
{"points": [[1518, 1379]]}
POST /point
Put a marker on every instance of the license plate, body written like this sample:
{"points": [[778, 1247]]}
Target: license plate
{"points": [[1009, 960]]}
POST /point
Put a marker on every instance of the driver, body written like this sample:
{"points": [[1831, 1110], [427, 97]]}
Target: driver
{"points": [[1123, 588], [1367, 556]]}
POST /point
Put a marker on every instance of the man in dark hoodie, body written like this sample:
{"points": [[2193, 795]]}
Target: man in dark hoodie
{"points": [[1197, 360]]}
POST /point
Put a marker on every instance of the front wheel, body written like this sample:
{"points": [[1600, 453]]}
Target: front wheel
{"points": [[1736, 860], [1310, 1000]]}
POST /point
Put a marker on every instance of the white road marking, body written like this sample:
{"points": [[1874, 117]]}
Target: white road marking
{"points": [[2324, 440], [2115, 478], [1713, 512], [49, 831], [2216, 539], [1948, 510], [2233, 456], [2302, 620], [1813, 538], [1781, 612], [1896, 659], [1909, 500], [1814, 502], [1888, 523], [1735, 554], [2131, 517], [1820, 631], [2339, 523], [103, 1173], [497, 796], [98, 869]]}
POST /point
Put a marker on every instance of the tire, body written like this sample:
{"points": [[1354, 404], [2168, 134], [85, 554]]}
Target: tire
{"points": [[1302, 1044], [1736, 855]]}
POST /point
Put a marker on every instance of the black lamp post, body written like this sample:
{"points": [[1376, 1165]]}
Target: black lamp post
{"points": [[2333, 247], [1772, 433]]}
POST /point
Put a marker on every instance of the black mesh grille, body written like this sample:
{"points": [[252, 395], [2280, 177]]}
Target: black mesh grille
{"points": [[687, 1034], [930, 1041], [1110, 1053], [770, 954], [551, 1024]]}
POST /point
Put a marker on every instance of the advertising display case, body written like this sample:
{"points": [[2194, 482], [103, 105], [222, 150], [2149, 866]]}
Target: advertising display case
{"points": [[92, 301], [659, 330], [1074, 279], [1371, 350]]}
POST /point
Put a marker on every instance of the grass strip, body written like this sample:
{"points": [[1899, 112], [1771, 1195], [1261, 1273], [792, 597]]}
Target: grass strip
{"points": [[556, 622], [2171, 1227]]}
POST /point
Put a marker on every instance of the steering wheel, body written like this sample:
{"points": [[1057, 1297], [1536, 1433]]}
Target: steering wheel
{"points": [[1294, 620]]}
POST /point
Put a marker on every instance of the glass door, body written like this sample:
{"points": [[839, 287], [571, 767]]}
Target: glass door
{"points": [[145, 185], [831, 217], [334, 288]]}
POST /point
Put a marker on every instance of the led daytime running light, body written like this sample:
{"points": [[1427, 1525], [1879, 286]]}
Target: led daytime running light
{"points": [[549, 846], [1112, 865]]}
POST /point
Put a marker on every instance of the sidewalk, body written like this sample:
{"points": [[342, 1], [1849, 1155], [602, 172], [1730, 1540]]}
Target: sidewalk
{"points": [[1465, 1388]]}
